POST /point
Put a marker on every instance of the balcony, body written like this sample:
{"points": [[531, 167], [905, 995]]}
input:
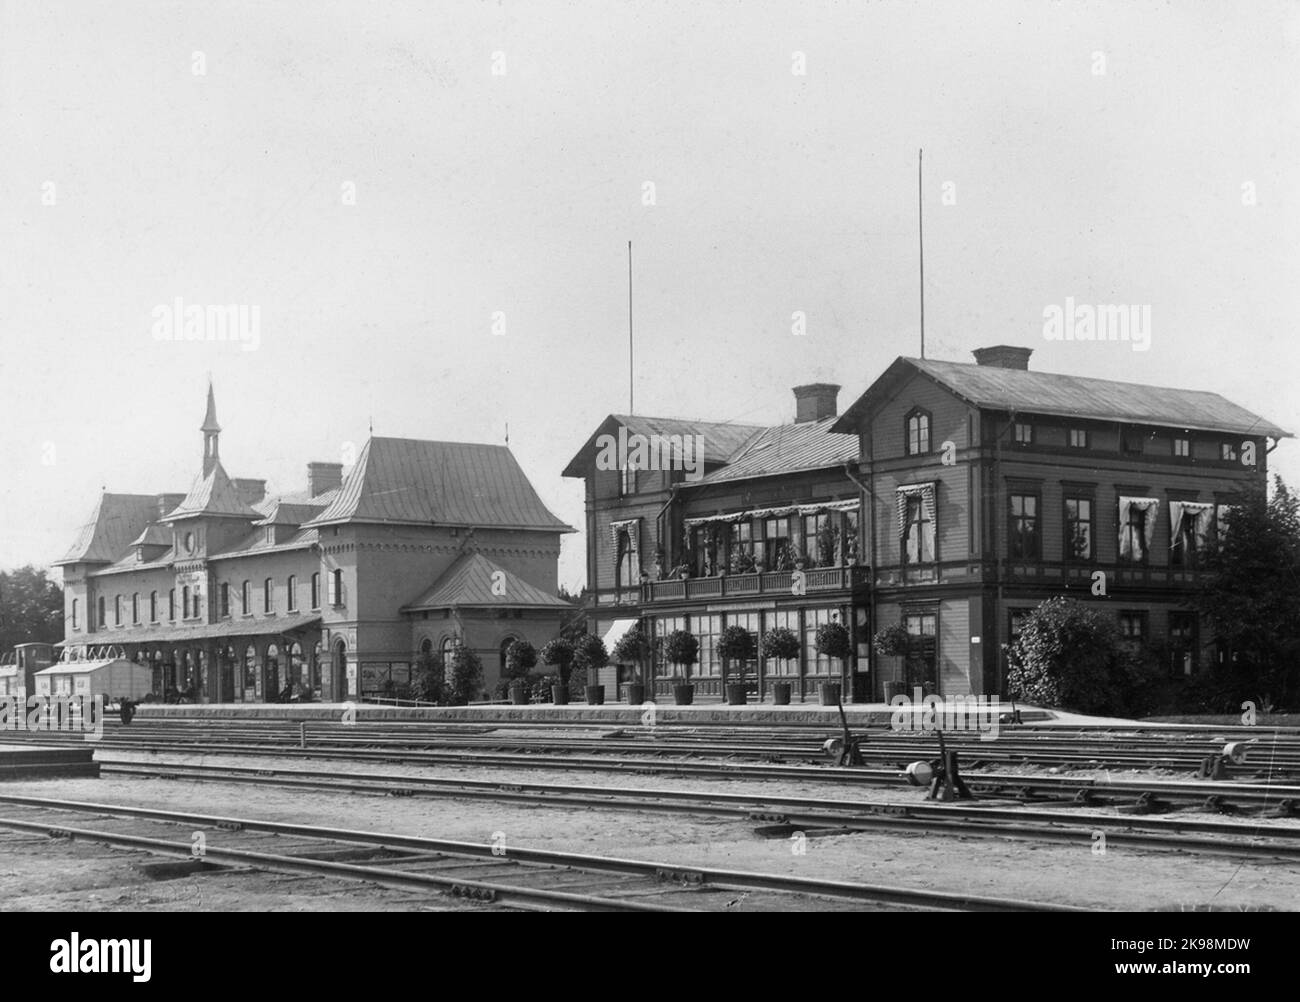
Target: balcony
{"points": [[765, 584], [1058, 573]]}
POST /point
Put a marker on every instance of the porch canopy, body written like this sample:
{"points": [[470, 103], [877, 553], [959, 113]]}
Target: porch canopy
{"points": [[221, 630]]}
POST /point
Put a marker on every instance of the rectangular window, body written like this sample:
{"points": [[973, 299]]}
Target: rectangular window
{"points": [[292, 585], [268, 596], [171, 605], [153, 607], [918, 434], [1136, 521], [626, 480], [1131, 442], [788, 618], [225, 599], [1078, 438], [1016, 619], [849, 539], [1023, 538], [776, 544], [661, 628], [818, 664], [706, 629], [741, 556], [315, 590], [1078, 528], [336, 587], [1182, 643], [117, 611], [918, 532], [819, 538], [1133, 624], [74, 613], [245, 603], [1024, 433], [1182, 447], [1228, 452], [135, 608]]}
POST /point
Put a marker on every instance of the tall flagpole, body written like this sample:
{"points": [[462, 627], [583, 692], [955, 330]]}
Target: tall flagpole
{"points": [[631, 407], [920, 229]]}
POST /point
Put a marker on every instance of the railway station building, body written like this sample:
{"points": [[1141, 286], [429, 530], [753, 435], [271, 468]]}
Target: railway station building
{"points": [[331, 592], [951, 498]]}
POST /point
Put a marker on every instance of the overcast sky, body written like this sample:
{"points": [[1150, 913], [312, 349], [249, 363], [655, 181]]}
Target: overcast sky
{"points": [[361, 174]]}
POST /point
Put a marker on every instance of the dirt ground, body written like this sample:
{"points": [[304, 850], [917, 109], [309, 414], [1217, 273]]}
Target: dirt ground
{"points": [[38, 874]]}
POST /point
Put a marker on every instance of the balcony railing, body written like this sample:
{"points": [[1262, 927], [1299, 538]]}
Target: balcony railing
{"points": [[766, 583]]}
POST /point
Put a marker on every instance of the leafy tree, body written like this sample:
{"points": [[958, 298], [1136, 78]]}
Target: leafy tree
{"points": [[31, 608], [833, 640], [428, 679], [1252, 598], [464, 676], [521, 658], [558, 654], [681, 647], [589, 654], [780, 643], [633, 648], [1067, 655]]}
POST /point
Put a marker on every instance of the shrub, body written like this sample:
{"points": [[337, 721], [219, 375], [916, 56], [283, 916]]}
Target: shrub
{"points": [[465, 676], [1067, 655], [558, 654]]}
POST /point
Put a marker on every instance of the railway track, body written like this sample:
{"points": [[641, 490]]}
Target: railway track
{"points": [[781, 815], [493, 875]]}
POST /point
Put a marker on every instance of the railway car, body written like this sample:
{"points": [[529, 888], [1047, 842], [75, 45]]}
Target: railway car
{"points": [[19, 668], [112, 678]]}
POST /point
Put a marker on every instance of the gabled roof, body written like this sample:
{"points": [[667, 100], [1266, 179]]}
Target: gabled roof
{"points": [[212, 494], [470, 581], [255, 543], [413, 481], [1027, 392], [106, 535], [284, 512], [789, 448], [720, 440]]}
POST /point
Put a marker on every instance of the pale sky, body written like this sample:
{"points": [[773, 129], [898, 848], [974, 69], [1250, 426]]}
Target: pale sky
{"points": [[1116, 153]]}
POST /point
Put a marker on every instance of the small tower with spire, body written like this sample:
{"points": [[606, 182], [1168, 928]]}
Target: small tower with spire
{"points": [[211, 431]]}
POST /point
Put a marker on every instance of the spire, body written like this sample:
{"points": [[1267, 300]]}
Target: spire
{"points": [[211, 430], [210, 419]]}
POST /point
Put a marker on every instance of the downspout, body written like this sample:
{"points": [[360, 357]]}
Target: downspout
{"points": [[871, 584]]}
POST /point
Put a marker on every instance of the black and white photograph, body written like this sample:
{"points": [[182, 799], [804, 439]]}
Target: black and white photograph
{"points": [[475, 457]]}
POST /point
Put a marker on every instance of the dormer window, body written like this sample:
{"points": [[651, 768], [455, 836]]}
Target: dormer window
{"points": [[139, 554], [270, 535], [918, 433]]}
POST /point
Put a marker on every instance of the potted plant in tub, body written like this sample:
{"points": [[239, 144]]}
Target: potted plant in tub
{"points": [[682, 648], [558, 654], [735, 643], [589, 655], [633, 648], [833, 641], [780, 644], [521, 658]]}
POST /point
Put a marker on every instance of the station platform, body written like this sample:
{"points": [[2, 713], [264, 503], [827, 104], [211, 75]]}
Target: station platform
{"points": [[33, 762], [612, 714]]}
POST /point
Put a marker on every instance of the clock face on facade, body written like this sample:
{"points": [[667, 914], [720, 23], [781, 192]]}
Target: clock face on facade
{"points": [[189, 542]]}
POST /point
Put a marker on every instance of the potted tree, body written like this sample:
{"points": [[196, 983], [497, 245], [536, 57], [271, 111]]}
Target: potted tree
{"points": [[735, 643], [589, 655], [521, 658], [682, 648], [780, 643], [892, 642], [633, 648], [558, 653], [833, 641]]}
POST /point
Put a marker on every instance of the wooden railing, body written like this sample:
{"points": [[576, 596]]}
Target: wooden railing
{"points": [[817, 579]]}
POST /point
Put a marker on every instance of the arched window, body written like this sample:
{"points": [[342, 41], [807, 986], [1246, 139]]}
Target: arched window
{"points": [[292, 585], [135, 607], [297, 672], [426, 646], [918, 433], [74, 613], [315, 590], [244, 608], [153, 607], [268, 596], [445, 652], [250, 667], [103, 616], [505, 646], [225, 598], [336, 586], [315, 669], [339, 682], [117, 610], [185, 602], [171, 604]]}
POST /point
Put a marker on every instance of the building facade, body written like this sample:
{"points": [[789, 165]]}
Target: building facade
{"points": [[951, 498], [332, 592]]}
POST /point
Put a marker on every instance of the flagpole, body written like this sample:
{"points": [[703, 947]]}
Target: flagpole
{"points": [[631, 406], [920, 229]]}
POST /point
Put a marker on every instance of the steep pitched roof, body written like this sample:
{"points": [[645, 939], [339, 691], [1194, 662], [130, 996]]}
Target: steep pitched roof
{"points": [[789, 448], [115, 522], [721, 440], [415, 481], [212, 494], [1028, 392], [284, 512], [469, 582], [153, 535]]}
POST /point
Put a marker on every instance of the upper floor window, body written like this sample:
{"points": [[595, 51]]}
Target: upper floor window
{"points": [[740, 555], [198, 604], [1228, 452], [315, 590], [117, 610], [1133, 624], [292, 586], [336, 587], [185, 602], [1182, 447], [777, 555], [918, 529], [1137, 518], [1078, 438], [245, 607], [135, 607], [1024, 433], [1078, 528], [103, 614], [819, 539], [225, 599], [171, 604], [268, 595], [153, 607], [626, 479], [1024, 527], [74, 613], [1130, 441], [918, 433]]}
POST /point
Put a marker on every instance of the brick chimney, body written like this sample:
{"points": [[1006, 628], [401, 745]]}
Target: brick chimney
{"points": [[1003, 356], [322, 477], [167, 503], [815, 401]]}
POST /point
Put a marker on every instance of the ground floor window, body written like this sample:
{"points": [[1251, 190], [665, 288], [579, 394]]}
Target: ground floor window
{"points": [[706, 629], [1182, 643]]}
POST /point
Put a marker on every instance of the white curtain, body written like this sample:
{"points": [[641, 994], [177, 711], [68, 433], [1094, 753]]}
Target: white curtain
{"points": [[1130, 547], [1223, 516], [1198, 515], [920, 549]]}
